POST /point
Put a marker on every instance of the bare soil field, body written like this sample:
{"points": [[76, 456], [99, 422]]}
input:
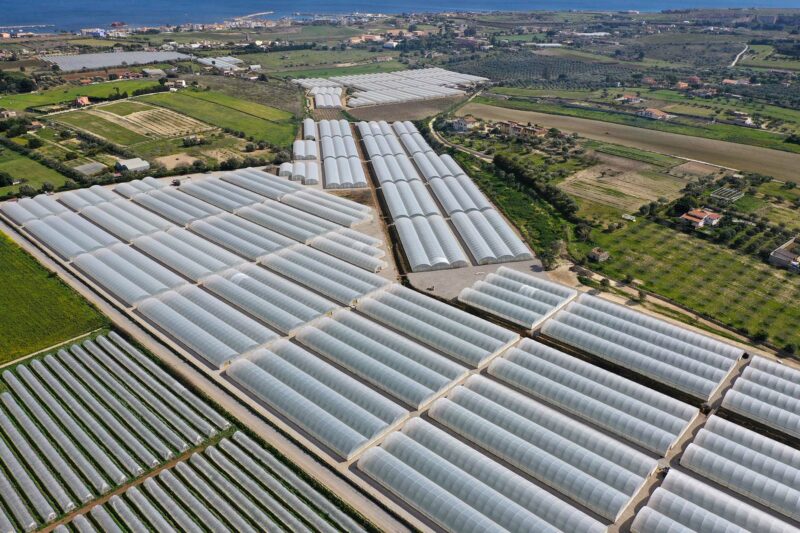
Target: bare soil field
{"points": [[622, 183], [781, 165], [175, 160], [405, 111]]}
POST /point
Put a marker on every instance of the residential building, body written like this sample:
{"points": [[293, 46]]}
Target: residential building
{"points": [[514, 129], [7, 113], [655, 114], [464, 124], [82, 101], [787, 255], [154, 73], [598, 255], [629, 99], [700, 218]]}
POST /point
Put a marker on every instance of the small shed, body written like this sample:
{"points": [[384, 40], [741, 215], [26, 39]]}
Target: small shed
{"points": [[136, 164]]}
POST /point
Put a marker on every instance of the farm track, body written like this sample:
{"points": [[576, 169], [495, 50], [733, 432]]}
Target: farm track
{"points": [[781, 165]]}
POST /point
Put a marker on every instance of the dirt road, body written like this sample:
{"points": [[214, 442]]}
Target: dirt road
{"points": [[781, 165]]}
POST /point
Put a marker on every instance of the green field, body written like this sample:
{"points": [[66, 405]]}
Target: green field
{"points": [[21, 167], [37, 310], [764, 56], [68, 93], [305, 59], [101, 127], [652, 158], [734, 289], [371, 68], [720, 132], [224, 111]]}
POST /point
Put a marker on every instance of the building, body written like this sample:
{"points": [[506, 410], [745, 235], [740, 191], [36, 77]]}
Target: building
{"points": [[727, 194], [700, 218], [136, 164], [391, 45], [655, 114], [7, 113], [629, 99], [464, 124], [82, 101], [515, 129], [91, 169], [598, 255], [787, 255], [154, 73]]}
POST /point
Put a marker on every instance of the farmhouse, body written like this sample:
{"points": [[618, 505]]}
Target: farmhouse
{"points": [[700, 218], [154, 73], [787, 255], [629, 99], [463, 124], [5, 113], [598, 255], [82, 101], [516, 129], [655, 114], [136, 164]]}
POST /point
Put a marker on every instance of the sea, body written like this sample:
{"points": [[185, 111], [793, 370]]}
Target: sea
{"points": [[71, 15]]}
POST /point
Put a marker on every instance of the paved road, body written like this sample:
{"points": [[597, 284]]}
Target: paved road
{"points": [[781, 165], [739, 55]]}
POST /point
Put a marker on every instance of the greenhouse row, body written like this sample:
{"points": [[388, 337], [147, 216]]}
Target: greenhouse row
{"points": [[392, 363], [125, 220], [683, 503], [306, 172], [619, 406], [768, 392], [330, 276], [127, 274], [209, 327], [222, 194], [176, 206], [305, 150], [687, 361], [489, 238], [26, 209], [462, 490], [334, 128], [333, 208], [240, 236], [82, 422], [344, 173], [429, 244], [335, 409], [427, 239], [260, 182], [235, 485], [592, 469], [335, 91], [327, 101], [80, 198], [281, 304], [69, 234], [748, 463], [463, 336], [350, 250], [517, 297], [131, 188]]}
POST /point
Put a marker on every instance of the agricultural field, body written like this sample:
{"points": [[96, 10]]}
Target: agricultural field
{"points": [[369, 68], [306, 59], [37, 310], [774, 203], [260, 122], [732, 288], [765, 56], [23, 168], [68, 93], [151, 121], [781, 165], [275, 92], [100, 126]]}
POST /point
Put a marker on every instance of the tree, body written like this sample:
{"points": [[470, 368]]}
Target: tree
{"points": [[34, 142], [26, 190]]}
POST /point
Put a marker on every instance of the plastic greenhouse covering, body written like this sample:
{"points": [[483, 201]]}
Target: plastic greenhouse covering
{"points": [[748, 463], [489, 237], [125, 219], [325, 274], [211, 328], [132, 188], [287, 220], [69, 234], [683, 503], [326, 209], [581, 463], [263, 183], [620, 406], [462, 490], [335, 409], [271, 298], [309, 129], [769, 392], [220, 193], [175, 205], [81, 198], [516, 297], [240, 236], [408, 199], [634, 341], [465, 337], [390, 362], [26, 209], [429, 244], [363, 259], [187, 253]]}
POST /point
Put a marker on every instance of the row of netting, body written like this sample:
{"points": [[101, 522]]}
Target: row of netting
{"points": [[235, 485], [77, 424]]}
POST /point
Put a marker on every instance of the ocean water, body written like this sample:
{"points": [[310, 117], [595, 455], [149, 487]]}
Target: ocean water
{"points": [[68, 15]]}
